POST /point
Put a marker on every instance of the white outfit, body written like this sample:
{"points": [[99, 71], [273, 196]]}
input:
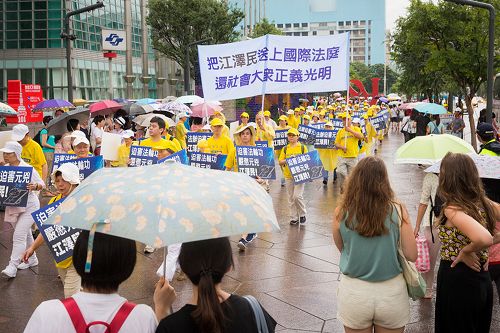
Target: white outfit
{"points": [[21, 220], [51, 316], [96, 132], [171, 261]]}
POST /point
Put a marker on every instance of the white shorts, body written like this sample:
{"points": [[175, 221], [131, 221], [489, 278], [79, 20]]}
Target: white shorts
{"points": [[362, 304]]}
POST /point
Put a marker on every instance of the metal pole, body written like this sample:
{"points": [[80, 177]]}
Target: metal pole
{"points": [[145, 61], [491, 51], [110, 69], [250, 18], [245, 18], [69, 37], [129, 75], [187, 66]]}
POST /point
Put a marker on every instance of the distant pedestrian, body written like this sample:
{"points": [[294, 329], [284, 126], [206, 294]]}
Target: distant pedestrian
{"points": [[457, 125], [435, 126], [421, 123]]}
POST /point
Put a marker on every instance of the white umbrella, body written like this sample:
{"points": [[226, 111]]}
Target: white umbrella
{"points": [[145, 119], [188, 99]]}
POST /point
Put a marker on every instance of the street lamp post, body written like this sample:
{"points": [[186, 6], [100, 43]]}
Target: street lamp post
{"points": [[491, 51], [186, 64], [66, 34]]}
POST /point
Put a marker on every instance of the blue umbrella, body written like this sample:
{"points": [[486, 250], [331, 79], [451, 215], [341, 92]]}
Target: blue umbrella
{"points": [[7, 110], [120, 100], [167, 204], [51, 104], [429, 108], [144, 101]]}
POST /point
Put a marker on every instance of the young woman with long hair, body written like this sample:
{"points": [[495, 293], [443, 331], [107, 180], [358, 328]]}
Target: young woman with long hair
{"points": [[368, 225], [211, 309], [464, 297]]}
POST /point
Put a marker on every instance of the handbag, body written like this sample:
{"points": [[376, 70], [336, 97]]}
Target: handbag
{"points": [[415, 284], [423, 262], [260, 319]]}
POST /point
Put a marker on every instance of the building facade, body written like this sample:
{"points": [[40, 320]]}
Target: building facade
{"points": [[364, 19], [32, 50]]}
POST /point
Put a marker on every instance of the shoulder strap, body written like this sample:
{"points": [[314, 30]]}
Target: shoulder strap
{"points": [[260, 319], [120, 317], [302, 148], [75, 315]]}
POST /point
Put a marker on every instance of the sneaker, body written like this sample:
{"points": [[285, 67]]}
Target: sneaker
{"points": [[33, 261], [242, 244], [9, 272], [302, 220], [294, 222], [149, 249], [251, 237]]}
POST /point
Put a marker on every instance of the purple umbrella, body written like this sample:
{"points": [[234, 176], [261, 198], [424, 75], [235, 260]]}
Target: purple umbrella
{"points": [[383, 99], [50, 104]]}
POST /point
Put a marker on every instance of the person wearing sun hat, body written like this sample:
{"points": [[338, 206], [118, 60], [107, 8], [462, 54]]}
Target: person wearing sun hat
{"points": [[221, 116], [20, 217], [244, 118], [295, 191], [180, 129], [32, 152], [328, 158], [269, 120], [291, 120], [66, 178], [282, 123], [346, 142]]}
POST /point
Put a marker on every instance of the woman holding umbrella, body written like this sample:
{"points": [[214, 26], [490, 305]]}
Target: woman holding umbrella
{"points": [[97, 129]]}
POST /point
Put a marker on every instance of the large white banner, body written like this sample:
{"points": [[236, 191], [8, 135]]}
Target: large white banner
{"points": [[274, 64]]}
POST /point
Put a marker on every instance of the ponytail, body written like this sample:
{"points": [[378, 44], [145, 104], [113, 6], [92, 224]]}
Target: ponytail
{"points": [[208, 315], [437, 119]]}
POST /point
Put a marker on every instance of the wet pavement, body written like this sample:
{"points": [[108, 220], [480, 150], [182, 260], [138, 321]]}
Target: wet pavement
{"points": [[294, 273]]}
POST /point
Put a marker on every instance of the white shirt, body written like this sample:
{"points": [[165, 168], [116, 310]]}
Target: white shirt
{"points": [[96, 133], [51, 316], [429, 189]]}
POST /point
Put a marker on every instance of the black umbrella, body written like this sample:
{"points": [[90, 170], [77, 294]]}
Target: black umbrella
{"points": [[57, 126]]}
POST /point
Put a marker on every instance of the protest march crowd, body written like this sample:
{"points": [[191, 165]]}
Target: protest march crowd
{"points": [[383, 258]]}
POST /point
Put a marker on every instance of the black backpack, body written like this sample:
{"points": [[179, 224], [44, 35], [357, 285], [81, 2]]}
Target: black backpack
{"points": [[436, 208]]}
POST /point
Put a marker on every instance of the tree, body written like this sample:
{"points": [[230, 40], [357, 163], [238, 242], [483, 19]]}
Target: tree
{"points": [[436, 45], [177, 23], [263, 28]]}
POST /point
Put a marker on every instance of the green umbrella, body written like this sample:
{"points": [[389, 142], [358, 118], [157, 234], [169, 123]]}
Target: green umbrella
{"points": [[430, 148]]}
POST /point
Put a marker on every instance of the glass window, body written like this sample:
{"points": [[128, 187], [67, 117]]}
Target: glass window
{"points": [[40, 34], [27, 25], [305, 34], [40, 43], [280, 25], [55, 24], [28, 16], [288, 25], [314, 33], [12, 74], [26, 76], [11, 35], [41, 15], [11, 45], [41, 77], [296, 33], [11, 16], [55, 14], [55, 43], [25, 44], [25, 5], [25, 34], [296, 25], [304, 25], [40, 4], [332, 32], [55, 34], [54, 4], [11, 25], [11, 5]]}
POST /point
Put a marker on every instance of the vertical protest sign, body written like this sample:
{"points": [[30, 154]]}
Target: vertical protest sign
{"points": [[86, 165], [60, 240], [140, 156], [179, 157], [13, 185], [307, 134], [256, 161], [192, 139], [208, 161], [280, 139], [305, 167], [274, 64], [109, 146], [378, 122]]}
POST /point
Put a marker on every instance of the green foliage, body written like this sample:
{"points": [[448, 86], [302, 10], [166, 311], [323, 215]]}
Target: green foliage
{"points": [[364, 73], [263, 28], [176, 23]]}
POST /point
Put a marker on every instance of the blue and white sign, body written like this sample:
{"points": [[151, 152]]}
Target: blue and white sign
{"points": [[113, 40], [320, 125], [280, 139], [13, 185], [274, 64], [305, 167], [256, 161], [180, 157], [307, 134], [192, 139], [208, 161], [140, 156], [261, 143], [86, 165], [378, 122], [60, 240], [325, 139]]}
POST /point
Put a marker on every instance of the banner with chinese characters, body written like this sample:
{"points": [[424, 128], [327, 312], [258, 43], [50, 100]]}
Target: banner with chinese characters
{"points": [[325, 139], [60, 159], [261, 143], [208, 161], [179, 157], [378, 122], [140, 156], [307, 134], [86, 165], [280, 139], [256, 161], [13, 185], [274, 64], [320, 125], [60, 240], [192, 139], [305, 167]]}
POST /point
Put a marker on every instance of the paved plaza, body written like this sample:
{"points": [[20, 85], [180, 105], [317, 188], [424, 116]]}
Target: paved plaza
{"points": [[294, 273]]}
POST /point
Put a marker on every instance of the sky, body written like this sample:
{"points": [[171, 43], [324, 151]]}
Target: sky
{"points": [[393, 10]]}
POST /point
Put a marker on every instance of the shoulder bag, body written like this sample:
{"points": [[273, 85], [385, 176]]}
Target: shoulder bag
{"points": [[260, 319]]}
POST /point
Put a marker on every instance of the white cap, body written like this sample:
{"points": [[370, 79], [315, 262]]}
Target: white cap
{"points": [[356, 120], [120, 121], [183, 114], [77, 133], [13, 147], [128, 134], [79, 140], [70, 173], [207, 127], [19, 132]]}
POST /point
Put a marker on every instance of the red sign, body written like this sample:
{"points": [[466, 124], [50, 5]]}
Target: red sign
{"points": [[361, 89], [23, 98]]}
